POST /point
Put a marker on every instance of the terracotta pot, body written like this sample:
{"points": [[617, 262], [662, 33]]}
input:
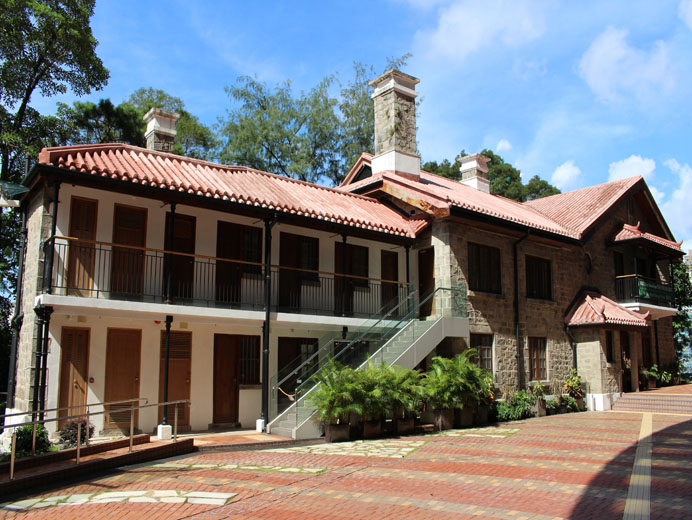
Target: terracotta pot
{"points": [[444, 419], [405, 426], [463, 417], [372, 429], [356, 423], [336, 432], [480, 417], [651, 383], [581, 404]]}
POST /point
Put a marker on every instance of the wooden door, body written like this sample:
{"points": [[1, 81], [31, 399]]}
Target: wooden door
{"points": [[294, 351], [227, 349], [343, 286], [229, 244], [426, 279], [183, 266], [289, 279], [123, 354], [74, 370], [179, 374], [127, 265], [390, 271], [81, 254]]}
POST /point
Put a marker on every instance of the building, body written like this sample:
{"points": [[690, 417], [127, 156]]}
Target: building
{"points": [[234, 285]]}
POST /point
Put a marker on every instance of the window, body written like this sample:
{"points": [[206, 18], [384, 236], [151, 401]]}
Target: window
{"points": [[250, 360], [538, 278], [484, 268], [537, 356], [483, 343], [610, 355]]}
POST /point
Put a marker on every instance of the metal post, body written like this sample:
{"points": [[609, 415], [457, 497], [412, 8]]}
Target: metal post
{"points": [[47, 311], [12, 454], [169, 320], [268, 224], [79, 438], [343, 272], [49, 245], [132, 426], [39, 358], [408, 264], [87, 426], [175, 424], [33, 440]]}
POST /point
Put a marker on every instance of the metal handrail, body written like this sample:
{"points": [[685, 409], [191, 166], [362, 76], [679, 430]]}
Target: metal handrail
{"points": [[131, 409], [45, 410]]}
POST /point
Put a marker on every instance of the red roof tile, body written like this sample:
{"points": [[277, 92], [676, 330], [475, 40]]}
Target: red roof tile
{"points": [[632, 232], [579, 209], [233, 183], [596, 309]]}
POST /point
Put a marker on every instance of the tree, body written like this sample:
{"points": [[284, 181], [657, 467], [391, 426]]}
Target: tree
{"points": [[682, 322], [192, 139], [505, 179], [86, 122], [46, 46]]}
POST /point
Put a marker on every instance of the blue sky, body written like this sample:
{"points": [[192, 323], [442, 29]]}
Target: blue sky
{"points": [[577, 92]]}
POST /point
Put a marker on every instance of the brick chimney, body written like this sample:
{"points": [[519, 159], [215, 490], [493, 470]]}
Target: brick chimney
{"points": [[474, 172], [395, 124], [160, 132]]}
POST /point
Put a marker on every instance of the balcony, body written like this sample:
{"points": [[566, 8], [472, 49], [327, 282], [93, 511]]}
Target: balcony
{"points": [[110, 271], [636, 289]]}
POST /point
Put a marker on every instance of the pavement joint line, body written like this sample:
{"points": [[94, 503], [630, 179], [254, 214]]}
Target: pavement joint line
{"points": [[638, 503]]}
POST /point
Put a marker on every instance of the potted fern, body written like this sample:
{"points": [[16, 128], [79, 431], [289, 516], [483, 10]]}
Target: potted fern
{"points": [[372, 395], [439, 392], [575, 389], [335, 397], [404, 398], [538, 400]]}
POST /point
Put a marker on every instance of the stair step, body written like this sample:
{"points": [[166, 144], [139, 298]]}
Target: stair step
{"points": [[283, 432]]}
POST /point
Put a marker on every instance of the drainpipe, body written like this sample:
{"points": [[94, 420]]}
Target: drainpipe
{"points": [[520, 364], [47, 311], [49, 245], [573, 342], [18, 316], [268, 225], [169, 320]]}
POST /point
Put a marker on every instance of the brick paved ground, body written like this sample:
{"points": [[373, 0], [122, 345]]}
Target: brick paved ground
{"points": [[570, 466]]}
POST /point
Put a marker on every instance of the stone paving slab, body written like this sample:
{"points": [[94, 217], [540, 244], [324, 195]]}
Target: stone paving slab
{"points": [[577, 466]]}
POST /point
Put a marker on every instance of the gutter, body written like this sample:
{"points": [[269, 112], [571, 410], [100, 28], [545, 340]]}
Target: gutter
{"points": [[573, 343], [520, 364]]}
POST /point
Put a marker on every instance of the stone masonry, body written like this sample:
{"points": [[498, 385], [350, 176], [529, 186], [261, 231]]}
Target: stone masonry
{"points": [[395, 117]]}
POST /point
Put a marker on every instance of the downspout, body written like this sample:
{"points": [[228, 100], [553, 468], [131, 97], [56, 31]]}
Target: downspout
{"points": [[18, 316], [519, 357], [47, 311], [268, 225]]}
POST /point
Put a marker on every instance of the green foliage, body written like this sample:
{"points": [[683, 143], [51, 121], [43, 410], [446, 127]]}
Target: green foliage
{"points": [[102, 122], [538, 188], [515, 407], [24, 440], [573, 385], [655, 373], [552, 404], [570, 403], [455, 383], [537, 392], [68, 435], [401, 391], [336, 394], [682, 322], [444, 168]]}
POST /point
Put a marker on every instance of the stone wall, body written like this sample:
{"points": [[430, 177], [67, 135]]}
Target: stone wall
{"points": [[666, 344], [38, 225], [395, 123]]}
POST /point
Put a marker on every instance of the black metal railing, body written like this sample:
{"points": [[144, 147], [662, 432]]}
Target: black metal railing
{"points": [[103, 270], [636, 288]]}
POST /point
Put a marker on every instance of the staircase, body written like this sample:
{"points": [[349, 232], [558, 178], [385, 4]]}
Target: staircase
{"points": [[404, 341], [653, 402]]}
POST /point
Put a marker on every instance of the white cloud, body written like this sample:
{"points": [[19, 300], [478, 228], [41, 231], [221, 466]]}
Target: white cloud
{"points": [[614, 69], [633, 165], [685, 12], [566, 175], [657, 194], [677, 208], [467, 26], [503, 146]]}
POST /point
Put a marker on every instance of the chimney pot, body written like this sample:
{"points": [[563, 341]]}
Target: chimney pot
{"points": [[474, 171], [160, 132]]}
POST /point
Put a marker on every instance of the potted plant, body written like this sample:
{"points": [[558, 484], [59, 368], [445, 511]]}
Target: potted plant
{"points": [[440, 394], [487, 396], [467, 381], [373, 384], [552, 406], [404, 398], [335, 397], [538, 405], [654, 376], [574, 388]]}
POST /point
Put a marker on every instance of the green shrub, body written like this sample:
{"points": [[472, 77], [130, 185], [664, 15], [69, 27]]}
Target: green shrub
{"points": [[24, 440], [515, 407], [573, 385], [458, 382], [552, 404], [571, 403], [337, 393], [68, 435]]}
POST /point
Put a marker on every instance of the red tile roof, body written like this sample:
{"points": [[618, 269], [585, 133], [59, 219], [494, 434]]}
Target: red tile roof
{"points": [[233, 183], [596, 309], [632, 232], [579, 209]]}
